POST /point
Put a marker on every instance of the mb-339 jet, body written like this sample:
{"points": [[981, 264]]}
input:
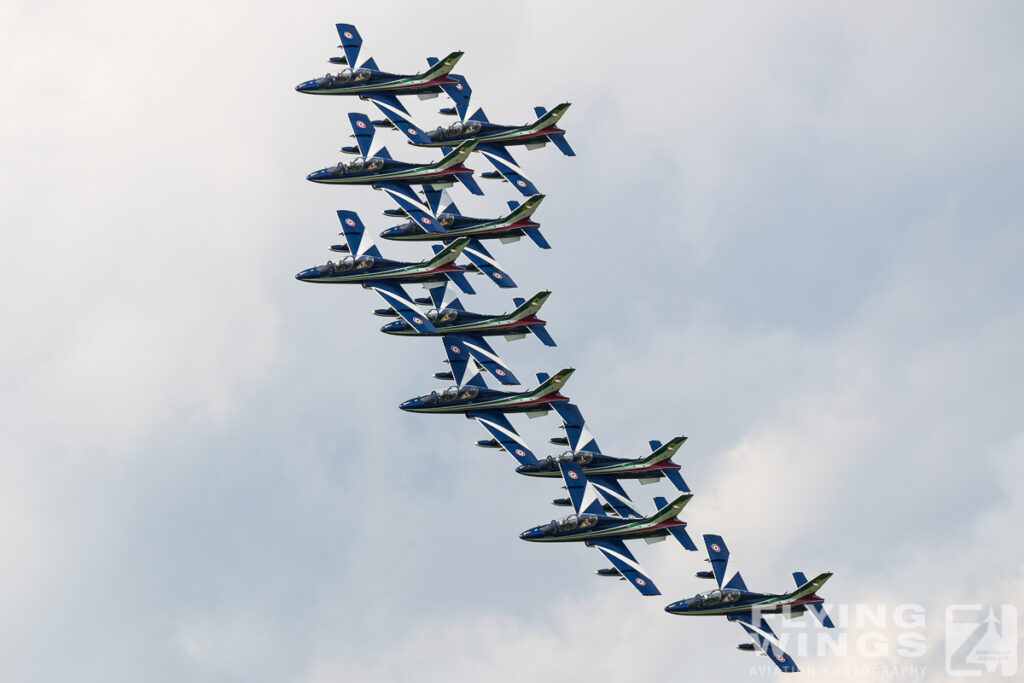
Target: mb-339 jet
{"points": [[380, 170], [607, 533], [454, 319], [735, 602], [368, 79], [365, 266], [492, 139]]}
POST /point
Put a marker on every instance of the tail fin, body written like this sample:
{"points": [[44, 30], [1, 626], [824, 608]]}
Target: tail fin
{"points": [[456, 156], [442, 67], [549, 118], [808, 587], [815, 608], [670, 510], [663, 453], [531, 307], [555, 383], [524, 210], [448, 254]]}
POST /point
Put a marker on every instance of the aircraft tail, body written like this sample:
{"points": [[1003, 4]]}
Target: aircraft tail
{"points": [[808, 587], [814, 608], [524, 210], [670, 510], [442, 67], [530, 307], [448, 254], [548, 119], [555, 383], [455, 157], [661, 453]]}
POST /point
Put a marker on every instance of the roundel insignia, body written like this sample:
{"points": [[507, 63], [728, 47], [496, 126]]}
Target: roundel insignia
{"points": [[361, 124], [499, 372], [458, 86], [349, 222], [573, 475], [417, 320], [780, 658], [521, 183], [455, 349], [714, 546], [520, 452], [497, 276], [412, 131], [348, 34], [640, 582], [425, 220]]}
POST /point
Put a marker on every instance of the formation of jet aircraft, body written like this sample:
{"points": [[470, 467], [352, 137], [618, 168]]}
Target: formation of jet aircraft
{"points": [[605, 515]]}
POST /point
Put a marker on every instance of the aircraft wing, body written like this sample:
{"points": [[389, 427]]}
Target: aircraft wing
{"points": [[576, 432], [362, 131], [479, 349], [482, 259], [355, 235], [414, 208], [460, 348], [398, 299], [507, 166], [620, 557], [387, 99], [498, 426], [760, 632], [611, 490]]}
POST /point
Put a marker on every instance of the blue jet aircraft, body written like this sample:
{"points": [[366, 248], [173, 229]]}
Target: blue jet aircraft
{"points": [[493, 139], [475, 397], [454, 319], [425, 226], [381, 171], [734, 601], [425, 214], [364, 265], [368, 79], [607, 533]]}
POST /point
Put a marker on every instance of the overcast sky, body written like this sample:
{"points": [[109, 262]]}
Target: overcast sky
{"points": [[791, 233]]}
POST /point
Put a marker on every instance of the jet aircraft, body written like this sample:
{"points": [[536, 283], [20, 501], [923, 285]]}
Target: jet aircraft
{"points": [[365, 266], [585, 452], [493, 140], [368, 79], [590, 525], [425, 226], [454, 319], [733, 600], [476, 397], [381, 171]]}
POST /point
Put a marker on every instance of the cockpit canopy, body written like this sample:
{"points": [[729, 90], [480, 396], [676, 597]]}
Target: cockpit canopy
{"points": [[570, 523], [345, 264], [715, 597], [358, 165], [456, 129], [444, 315], [446, 219], [450, 394], [581, 458]]}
